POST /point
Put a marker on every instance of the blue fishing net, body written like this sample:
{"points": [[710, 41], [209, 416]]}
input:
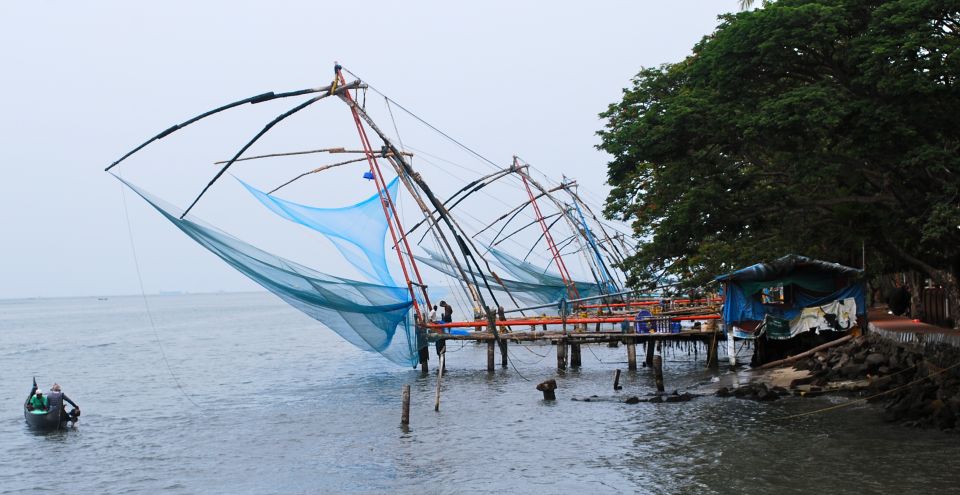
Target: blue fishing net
{"points": [[546, 290], [357, 231], [371, 316], [530, 273]]}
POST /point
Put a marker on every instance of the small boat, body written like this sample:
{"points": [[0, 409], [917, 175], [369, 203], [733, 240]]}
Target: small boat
{"points": [[51, 419], [54, 417]]}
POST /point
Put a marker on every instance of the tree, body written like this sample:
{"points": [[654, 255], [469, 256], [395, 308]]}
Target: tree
{"points": [[809, 126]]}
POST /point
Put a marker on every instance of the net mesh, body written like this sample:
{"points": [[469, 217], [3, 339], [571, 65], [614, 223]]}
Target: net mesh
{"points": [[371, 316], [357, 231], [530, 273]]}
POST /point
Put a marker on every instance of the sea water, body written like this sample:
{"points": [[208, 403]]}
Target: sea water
{"points": [[238, 393]]}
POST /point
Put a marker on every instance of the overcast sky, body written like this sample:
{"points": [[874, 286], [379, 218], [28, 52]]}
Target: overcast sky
{"points": [[84, 82]]}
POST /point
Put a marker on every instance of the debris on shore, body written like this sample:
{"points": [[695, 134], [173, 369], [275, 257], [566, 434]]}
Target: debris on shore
{"points": [[918, 387]]}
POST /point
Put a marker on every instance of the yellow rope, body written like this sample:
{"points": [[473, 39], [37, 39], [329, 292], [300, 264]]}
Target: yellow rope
{"points": [[865, 399]]}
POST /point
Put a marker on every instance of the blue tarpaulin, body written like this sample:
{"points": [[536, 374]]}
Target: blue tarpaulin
{"points": [[814, 283]]}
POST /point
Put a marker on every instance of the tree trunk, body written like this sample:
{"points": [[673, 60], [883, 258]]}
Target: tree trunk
{"points": [[948, 280], [915, 283]]}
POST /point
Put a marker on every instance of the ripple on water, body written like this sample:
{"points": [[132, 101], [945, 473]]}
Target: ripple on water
{"points": [[286, 407]]}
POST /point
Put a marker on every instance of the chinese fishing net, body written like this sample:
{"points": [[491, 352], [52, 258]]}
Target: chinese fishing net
{"points": [[372, 316]]}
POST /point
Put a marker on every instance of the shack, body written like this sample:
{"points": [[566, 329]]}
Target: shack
{"points": [[792, 304]]}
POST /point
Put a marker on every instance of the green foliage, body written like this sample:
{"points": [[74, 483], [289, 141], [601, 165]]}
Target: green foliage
{"points": [[804, 127]]}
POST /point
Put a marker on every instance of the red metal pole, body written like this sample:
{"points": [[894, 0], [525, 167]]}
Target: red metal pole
{"points": [[572, 291], [389, 209]]}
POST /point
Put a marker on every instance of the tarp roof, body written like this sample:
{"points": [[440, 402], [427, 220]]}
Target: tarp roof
{"points": [[788, 266]]}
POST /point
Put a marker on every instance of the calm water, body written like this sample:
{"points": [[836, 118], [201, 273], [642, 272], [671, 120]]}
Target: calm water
{"points": [[287, 407]]}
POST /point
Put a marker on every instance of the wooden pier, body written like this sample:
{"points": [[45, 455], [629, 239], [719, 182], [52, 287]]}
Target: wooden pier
{"points": [[568, 344]]}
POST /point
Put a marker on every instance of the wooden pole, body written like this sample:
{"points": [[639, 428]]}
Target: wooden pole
{"points": [[492, 328], [632, 355], [548, 388], [658, 372], [712, 361], [441, 350], [616, 380], [648, 362], [424, 352], [503, 353], [490, 354], [405, 414], [575, 355], [805, 354], [561, 354], [443, 359]]}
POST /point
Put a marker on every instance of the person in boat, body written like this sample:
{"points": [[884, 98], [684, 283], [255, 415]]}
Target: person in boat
{"points": [[433, 314], [37, 401], [447, 312], [57, 396]]}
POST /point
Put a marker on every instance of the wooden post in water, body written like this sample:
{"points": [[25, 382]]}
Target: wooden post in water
{"points": [[490, 354], [575, 355], [712, 361], [492, 328], [441, 350], [503, 353], [424, 355], [405, 412], [648, 362], [561, 353], [632, 355], [658, 372], [548, 388], [443, 365], [616, 380]]}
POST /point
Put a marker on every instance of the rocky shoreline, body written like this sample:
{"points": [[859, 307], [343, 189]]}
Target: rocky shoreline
{"points": [[917, 386]]}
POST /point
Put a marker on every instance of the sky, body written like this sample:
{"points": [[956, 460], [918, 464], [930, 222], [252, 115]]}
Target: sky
{"points": [[84, 82]]}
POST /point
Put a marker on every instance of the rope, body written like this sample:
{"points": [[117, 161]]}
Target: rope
{"points": [[143, 294], [866, 399], [594, 354], [424, 122]]}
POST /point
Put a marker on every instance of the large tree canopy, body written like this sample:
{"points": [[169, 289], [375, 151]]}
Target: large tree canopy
{"points": [[806, 126]]}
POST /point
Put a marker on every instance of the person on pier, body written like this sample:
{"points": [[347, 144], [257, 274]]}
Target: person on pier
{"points": [[447, 312]]}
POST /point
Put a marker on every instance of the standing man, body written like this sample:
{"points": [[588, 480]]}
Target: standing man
{"points": [[447, 312]]}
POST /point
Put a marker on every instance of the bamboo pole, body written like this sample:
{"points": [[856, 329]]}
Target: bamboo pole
{"points": [[805, 354], [443, 359], [307, 152]]}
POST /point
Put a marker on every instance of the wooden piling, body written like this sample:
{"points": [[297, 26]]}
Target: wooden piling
{"points": [[443, 366], [561, 354], [632, 355], [503, 353], [648, 362], [616, 380], [424, 355], [405, 412], [658, 372], [575, 355], [441, 348], [548, 388], [712, 361], [490, 354]]}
